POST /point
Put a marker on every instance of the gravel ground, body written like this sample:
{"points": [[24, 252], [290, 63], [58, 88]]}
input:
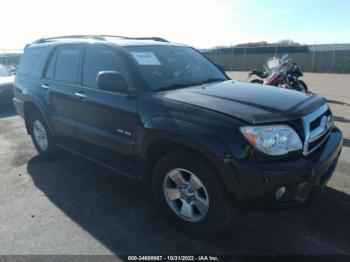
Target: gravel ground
{"points": [[72, 206]]}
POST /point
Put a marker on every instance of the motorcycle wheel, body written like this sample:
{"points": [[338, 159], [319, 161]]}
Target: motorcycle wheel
{"points": [[302, 87], [257, 81]]}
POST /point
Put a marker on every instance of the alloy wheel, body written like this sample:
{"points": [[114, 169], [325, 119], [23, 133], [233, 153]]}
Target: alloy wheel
{"points": [[186, 195], [40, 135]]}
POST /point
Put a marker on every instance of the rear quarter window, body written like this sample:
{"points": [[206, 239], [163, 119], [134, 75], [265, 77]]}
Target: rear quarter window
{"points": [[32, 61], [40, 64]]}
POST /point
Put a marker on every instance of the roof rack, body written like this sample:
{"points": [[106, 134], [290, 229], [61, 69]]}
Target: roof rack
{"points": [[154, 38], [95, 37], [48, 39]]}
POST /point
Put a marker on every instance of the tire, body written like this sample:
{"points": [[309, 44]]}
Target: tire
{"points": [[303, 87], [257, 81], [207, 220], [39, 132]]}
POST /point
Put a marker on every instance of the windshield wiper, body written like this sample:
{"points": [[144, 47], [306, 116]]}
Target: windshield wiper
{"points": [[177, 86], [211, 80]]}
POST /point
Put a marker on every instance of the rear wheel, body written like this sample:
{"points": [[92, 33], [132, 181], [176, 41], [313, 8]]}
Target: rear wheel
{"points": [[257, 81], [41, 135], [190, 194]]}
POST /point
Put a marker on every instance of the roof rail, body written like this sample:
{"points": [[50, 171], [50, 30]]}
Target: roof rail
{"points": [[96, 37], [48, 39], [154, 38]]}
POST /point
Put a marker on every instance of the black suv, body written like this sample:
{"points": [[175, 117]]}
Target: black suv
{"points": [[164, 113]]}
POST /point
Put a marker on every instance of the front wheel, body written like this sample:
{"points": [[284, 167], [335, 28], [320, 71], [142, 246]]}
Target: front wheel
{"points": [[190, 194], [302, 86]]}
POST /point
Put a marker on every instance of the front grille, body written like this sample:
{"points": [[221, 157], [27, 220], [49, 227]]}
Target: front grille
{"points": [[314, 144], [316, 123], [317, 127]]}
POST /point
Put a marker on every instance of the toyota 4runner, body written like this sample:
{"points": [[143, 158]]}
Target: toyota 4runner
{"points": [[162, 112]]}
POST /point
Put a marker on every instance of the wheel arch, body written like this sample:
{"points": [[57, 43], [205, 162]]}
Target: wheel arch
{"points": [[29, 106], [160, 147], [164, 138]]}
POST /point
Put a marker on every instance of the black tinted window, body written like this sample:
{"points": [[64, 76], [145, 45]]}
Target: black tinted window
{"points": [[29, 60], [67, 64], [50, 72], [101, 58], [40, 64]]}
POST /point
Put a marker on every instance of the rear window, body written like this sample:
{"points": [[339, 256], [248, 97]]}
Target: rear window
{"points": [[30, 59]]}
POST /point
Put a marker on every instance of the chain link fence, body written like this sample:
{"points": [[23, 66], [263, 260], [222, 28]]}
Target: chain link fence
{"points": [[10, 56], [328, 58]]}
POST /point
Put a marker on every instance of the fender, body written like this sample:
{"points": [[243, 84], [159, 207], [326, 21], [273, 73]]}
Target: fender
{"points": [[181, 132], [189, 135], [34, 97]]}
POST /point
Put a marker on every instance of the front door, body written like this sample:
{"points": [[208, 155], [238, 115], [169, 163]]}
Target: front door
{"points": [[106, 122]]}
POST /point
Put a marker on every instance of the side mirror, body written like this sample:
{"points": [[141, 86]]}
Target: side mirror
{"points": [[221, 68], [112, 81]]}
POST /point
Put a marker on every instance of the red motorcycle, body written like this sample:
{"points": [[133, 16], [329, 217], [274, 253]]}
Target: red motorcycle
{"points": [[278, 73]]}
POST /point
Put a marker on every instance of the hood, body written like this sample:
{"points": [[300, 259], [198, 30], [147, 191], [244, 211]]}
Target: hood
{"points": [[251, 103]]}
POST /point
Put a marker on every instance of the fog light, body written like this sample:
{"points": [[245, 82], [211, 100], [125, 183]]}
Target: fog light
{"points": [[280, 192]]}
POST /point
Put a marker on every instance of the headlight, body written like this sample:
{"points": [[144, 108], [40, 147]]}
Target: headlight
{"points": [[272, 140]]}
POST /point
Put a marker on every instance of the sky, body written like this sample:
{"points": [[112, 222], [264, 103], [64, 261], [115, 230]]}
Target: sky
{"points": [[198, 23]]}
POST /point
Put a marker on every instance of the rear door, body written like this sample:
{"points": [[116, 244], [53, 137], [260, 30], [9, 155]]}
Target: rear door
{"points": [[60, 84], [107, 122]]}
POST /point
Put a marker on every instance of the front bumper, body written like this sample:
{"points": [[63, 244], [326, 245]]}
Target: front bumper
{"points": [[259, 181]]}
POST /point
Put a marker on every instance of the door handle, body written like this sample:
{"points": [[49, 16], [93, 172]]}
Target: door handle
{"points": [[80, 95], [45, 87]]}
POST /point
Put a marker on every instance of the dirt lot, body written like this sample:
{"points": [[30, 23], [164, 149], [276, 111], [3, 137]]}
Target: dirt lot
{"points": [[72, 206]]}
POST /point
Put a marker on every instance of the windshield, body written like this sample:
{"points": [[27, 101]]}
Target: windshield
{"points": [[274, 64], [3, 71], [171, 67]]}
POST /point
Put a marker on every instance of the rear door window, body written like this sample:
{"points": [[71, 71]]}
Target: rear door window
{"points": [[67, 64]]}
